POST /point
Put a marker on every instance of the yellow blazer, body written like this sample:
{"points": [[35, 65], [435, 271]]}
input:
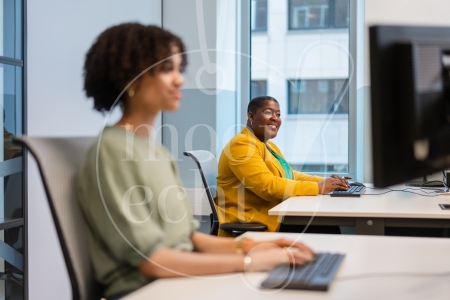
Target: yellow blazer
{"points": [[251, 181]]}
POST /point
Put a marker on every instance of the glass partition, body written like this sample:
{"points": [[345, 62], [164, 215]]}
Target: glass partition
{"points": [[11, 29]]}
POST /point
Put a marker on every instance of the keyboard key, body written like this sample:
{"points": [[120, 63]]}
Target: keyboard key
{"points": [[353, 191]]}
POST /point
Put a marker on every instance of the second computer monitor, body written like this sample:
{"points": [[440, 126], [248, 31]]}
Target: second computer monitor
{"points": [[410, 102]]}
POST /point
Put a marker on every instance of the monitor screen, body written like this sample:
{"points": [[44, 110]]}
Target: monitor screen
{"points": [[410, 102]]}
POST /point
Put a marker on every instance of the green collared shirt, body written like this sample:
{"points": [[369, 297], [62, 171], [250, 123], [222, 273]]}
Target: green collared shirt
{"points": [[134, 204], [284, 164]]}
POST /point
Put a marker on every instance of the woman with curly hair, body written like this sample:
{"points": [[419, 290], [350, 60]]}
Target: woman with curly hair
{"points": [[140, 224]]}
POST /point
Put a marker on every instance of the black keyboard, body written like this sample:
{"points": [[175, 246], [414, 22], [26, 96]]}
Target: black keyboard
{"points": [[353, 191], [314, 276]]}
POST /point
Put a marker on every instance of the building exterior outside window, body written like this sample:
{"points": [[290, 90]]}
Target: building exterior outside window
{"points": [[304, 60], [12, 226], [259, 15], [318, 14], [258, 88], [317, 96]]}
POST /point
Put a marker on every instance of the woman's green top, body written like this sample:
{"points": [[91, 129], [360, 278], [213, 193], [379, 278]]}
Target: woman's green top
{"points": [[286, 167], [134, 204]]}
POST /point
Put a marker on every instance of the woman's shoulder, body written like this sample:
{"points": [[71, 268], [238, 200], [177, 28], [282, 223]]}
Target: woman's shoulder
{"points": [[243, 144], [116, 143], [273, 146], [244, 138], [112, 136], [110, 141], [118, 140]]}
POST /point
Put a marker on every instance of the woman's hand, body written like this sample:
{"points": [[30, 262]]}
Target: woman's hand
{"points": [[343, 179], [332, 183], [268, 254], [250, 244]]}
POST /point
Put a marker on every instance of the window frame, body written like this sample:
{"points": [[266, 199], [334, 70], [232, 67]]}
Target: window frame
{"points": [[358, 160], [244, 44]]}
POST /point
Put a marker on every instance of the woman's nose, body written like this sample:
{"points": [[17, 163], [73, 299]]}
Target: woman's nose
{"points": [[179, 79]]}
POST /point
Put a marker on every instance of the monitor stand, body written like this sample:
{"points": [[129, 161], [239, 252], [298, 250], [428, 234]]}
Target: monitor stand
{"points": [[418, 183]]}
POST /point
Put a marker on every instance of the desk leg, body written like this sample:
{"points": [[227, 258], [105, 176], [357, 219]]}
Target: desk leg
{"points": [[370, 226]]}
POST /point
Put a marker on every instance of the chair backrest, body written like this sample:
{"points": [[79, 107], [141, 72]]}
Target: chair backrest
{"points": [[207, 165], [58, 160]]}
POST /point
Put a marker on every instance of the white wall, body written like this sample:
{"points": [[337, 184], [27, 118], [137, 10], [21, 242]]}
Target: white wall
{"points": [[404, 12], [59, 35], [207, 117]]}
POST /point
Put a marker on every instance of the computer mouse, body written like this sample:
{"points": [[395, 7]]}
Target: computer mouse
{"points": [[356, 184]]}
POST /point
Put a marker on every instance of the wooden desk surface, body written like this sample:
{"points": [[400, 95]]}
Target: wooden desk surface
{"points": [[364, 273], [390, 205]]}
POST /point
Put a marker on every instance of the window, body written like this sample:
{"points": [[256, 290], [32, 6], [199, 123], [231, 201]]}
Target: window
{"points": [[318, 96], [308, 74], [259, 15], [12, 229], [258, 88], [318, 14]]}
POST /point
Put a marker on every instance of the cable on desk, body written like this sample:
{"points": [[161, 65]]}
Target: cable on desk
{"points": [[429, 192], [407, 190], [365, 194], [444, 186], [389, 190], [380, 274], [432, 181], [375, 188]]}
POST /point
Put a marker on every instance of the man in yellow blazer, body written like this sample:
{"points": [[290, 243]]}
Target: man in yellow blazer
{"points": [[253, 175]]}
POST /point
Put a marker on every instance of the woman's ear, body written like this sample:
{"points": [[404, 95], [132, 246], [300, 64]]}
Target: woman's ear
{"points": [[250, 116], [131, 90]]}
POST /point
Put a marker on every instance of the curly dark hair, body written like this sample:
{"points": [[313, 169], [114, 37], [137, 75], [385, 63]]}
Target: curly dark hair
{"points": [[258, 102], [120, 54]]}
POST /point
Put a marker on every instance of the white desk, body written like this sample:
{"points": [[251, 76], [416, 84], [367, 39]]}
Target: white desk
{"points": [[370, 214], [364, 255]]}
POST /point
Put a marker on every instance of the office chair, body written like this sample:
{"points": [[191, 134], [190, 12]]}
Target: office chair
{"points": [[58, 160], [207, 165]]}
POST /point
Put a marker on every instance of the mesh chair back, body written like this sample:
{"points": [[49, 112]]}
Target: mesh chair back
{"points": [[58, 160], [207, 165]]}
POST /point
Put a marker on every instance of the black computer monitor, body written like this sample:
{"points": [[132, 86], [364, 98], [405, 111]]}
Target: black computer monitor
{"points": [[410, 102]]}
